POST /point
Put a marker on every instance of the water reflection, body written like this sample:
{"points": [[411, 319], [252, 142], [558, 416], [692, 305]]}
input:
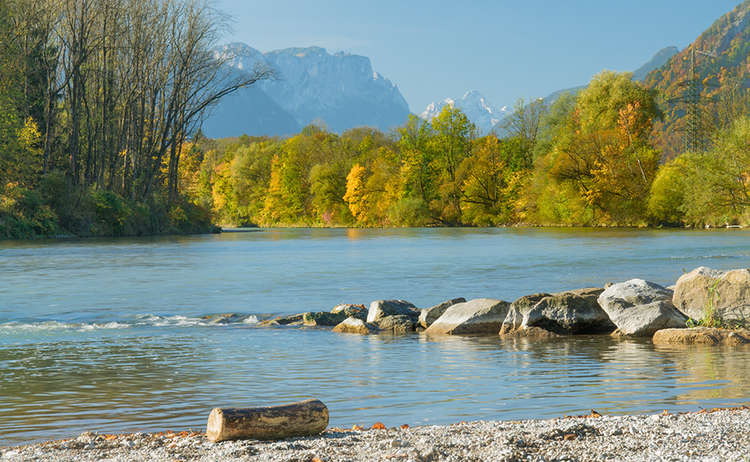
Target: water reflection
{"points": [[710, 375], [155, 381], [109, 384]]}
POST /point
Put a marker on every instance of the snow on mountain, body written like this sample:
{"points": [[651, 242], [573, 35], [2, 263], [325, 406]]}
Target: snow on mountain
{"points": [[475, 106], [340, 89]]}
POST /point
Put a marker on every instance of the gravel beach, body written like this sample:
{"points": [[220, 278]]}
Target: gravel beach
{"points": [[718, 435]]}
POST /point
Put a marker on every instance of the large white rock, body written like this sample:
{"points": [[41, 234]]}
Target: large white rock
{"points": [[480, 316], [429, 315], [726, 293], [639, 308]]}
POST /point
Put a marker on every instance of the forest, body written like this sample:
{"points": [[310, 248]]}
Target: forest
{"points": [[101, 103], [585, 160]]}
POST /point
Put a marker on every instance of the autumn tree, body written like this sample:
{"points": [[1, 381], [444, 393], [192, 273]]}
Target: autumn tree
{"points": [[604, 153]]}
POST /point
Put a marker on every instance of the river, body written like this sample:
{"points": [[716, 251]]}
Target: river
{"points": [[109, 335]]}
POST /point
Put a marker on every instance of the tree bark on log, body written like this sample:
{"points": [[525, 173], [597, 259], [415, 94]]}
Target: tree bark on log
{"points": [[305, 418]]}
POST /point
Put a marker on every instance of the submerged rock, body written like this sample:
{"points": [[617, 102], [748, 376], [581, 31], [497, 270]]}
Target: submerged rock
{"points": [[639, 308], [529, 332], [723, 294], [701, 336], [289, 320], [224, 318], [564, 313], [382, 308], [431, 314], [354, 325], [480, 316]]}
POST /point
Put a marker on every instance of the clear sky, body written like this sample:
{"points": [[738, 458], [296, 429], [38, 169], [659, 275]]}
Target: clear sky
{"points": [[505, 49]]}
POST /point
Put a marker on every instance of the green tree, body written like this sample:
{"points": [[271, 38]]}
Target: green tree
{"points": [[449, 146]]}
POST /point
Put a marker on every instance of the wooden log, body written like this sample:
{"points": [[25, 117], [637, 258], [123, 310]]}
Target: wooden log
{"points": [[305, 418]]}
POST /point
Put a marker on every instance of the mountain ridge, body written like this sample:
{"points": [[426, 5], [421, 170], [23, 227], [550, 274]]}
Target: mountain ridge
{"points": [[339, 90]]}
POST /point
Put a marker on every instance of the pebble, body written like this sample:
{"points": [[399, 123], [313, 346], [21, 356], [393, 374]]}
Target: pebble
{"points": [[721, 435]]}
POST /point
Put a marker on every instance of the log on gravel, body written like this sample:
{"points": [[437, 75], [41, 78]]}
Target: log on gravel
{"points": [[305, 418]]}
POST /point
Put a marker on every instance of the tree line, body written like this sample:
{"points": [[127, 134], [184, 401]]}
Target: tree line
{"points": [[97, 98], [585, 160]]}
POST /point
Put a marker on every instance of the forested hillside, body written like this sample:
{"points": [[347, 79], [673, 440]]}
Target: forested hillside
{"points": [[721, 60]]}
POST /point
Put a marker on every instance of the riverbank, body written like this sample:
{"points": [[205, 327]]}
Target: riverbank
{"points": [[58, 209], [706, 435]]}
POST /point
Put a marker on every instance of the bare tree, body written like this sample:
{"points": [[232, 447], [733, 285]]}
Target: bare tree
{"points": [[131, 79]]}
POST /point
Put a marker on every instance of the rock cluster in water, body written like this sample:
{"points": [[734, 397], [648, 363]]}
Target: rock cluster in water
{"points": [[709, 299]]}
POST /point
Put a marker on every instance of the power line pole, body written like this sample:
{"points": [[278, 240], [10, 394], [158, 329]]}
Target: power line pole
{"points": [[694, 139]]}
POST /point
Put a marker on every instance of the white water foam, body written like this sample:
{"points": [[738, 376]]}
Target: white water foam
{"points": [[56, 325], [144, 320]]}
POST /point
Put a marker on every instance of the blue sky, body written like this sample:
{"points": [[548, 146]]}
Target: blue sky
{"points": [[505, 49]]}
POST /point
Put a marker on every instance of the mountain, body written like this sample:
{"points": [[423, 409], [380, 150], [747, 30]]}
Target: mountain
{"points": [[719, 77], [658, 60], [474, 105], [252, 112], [340, 90]]}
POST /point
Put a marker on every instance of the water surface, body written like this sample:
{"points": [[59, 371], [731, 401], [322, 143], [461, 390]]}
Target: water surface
{"points": [[108, 335]]}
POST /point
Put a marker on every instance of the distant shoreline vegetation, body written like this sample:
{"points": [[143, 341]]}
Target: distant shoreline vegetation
{"points": [[586, 160]]}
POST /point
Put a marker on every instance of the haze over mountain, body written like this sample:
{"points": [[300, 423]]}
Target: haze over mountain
{"points": [[476, 107], [339, 90], [658, 60]]}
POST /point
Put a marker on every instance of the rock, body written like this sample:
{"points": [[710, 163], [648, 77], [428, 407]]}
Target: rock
{"points": [[382, 308], [357, 311], [727, 293], [639, 308], [293, 319], [480, 316], [429, 315], [354, 325], [517, 310], [564, 313], [323, 318], [701, 335], [397, 324], [224, 318]]}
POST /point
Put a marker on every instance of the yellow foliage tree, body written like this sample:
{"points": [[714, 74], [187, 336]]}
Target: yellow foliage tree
{"points": [[356, 195]]}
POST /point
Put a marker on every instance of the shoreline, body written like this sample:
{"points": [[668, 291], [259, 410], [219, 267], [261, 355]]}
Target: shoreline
{"points": [[240, 230], [715, 434]]}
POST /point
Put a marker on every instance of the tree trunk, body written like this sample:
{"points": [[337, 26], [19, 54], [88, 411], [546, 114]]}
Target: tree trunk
{"points": [[305, 418]]}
